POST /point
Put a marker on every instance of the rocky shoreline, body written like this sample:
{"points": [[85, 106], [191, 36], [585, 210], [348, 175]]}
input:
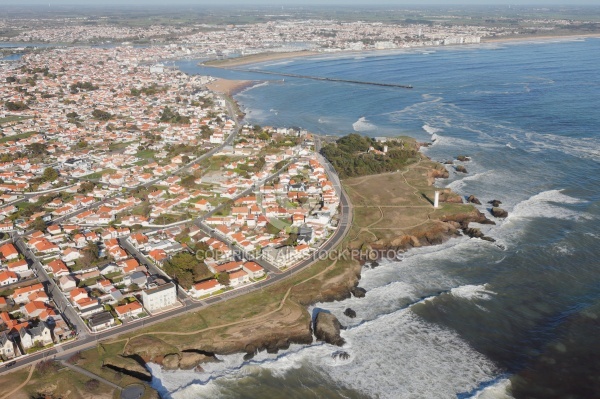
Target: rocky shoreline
{"points": [[306, 328]]}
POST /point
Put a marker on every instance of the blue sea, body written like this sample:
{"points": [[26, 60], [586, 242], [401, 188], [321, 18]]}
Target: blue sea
{"points": [[518, 318]]}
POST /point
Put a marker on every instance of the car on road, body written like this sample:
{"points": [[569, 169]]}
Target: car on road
{"points": [[10, 364]]}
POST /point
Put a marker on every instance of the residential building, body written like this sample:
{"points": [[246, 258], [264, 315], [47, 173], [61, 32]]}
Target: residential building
{"points": [[206, 287], [160, 297]]}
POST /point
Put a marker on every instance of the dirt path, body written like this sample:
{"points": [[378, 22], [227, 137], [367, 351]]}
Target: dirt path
{"points": [[17, 389], [246, 321], [371, 226]]}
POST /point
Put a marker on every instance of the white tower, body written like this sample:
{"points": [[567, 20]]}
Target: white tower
{"points": [[436, 200]]}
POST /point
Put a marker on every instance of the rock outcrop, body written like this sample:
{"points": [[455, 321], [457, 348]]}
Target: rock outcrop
{"points": [[171, 362], [460, 168], [476, 233], [186, 360], [340, 355], [495, 203], [473, 200], [463, 158], [191, 360], [327, 329], [128, 366], [439, 173], [358, 292], [499, 212], [350, 313]]}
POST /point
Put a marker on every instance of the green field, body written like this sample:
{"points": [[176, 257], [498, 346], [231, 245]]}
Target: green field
{"points": [[16, 136]]}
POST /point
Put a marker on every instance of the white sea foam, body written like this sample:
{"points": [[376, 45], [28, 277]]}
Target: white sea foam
{"points": [[245, 91], [548, 204], [459, 185], [428, 362], [499, 390], [585, 147], [472, 292], [431, 130], [380, 300], [363, 125], [562, 249]]}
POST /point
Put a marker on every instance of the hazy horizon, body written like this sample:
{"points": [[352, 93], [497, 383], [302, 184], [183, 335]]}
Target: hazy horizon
{"points": [[293, 3]]}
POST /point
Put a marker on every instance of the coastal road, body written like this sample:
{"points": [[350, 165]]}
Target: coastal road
{"points": [[91, 340]]}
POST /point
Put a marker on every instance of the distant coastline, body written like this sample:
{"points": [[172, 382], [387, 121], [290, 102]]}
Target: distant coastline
{"points": [[278, 56]]}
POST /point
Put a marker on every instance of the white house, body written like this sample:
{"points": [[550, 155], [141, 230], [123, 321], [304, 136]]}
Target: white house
{"points": [[239, 277], [7, 346], [160, 297], [70, 254], [41, 334], [67, 283], [131, 309], [101, 321], [253, 270], [206, 287], [7, 277]]}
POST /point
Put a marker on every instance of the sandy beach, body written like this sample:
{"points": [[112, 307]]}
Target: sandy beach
{"points": [[256, 58], [265, 57], [533, 38], [229, 87]]}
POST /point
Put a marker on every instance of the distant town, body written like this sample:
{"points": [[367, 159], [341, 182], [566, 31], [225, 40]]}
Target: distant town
{"points": [[284, 32]]}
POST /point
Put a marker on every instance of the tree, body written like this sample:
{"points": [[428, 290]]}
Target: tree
{"points": [[186, 269], [36, 149], [86, 187], [223, 279], [188, 181], [170, 116], [101, 115], [50, 174], [15, 106], [90, 255], [38, 224], [47, 367]]}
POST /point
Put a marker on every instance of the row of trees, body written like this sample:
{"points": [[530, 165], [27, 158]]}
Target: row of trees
{"points": [[15, 106], [82, 86], [186, 269], [170, 116]]}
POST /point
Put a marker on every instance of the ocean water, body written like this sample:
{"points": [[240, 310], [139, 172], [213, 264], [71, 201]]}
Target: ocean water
{"points": [[519, 318]]}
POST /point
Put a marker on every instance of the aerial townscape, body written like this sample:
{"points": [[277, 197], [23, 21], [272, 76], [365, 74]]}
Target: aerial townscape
{"points": [[131, 193], [146, 220]]}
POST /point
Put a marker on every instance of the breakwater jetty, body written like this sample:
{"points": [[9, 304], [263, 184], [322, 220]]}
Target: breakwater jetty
{"points": [[293, 75]]}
